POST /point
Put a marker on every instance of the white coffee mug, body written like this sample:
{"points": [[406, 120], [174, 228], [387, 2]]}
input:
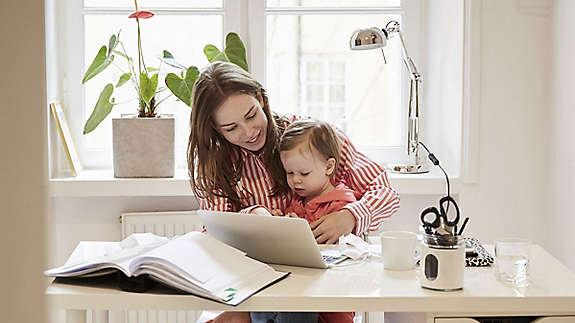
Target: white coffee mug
{"points": [[399, 249]]}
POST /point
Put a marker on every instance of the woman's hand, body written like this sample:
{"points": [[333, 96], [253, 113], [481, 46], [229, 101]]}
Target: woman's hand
{"points": [[261, 211], [292, 215], [330, 227], [277, 212]]}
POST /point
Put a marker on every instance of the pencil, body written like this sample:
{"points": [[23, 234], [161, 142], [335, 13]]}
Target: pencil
{"points": [[463, 226]]}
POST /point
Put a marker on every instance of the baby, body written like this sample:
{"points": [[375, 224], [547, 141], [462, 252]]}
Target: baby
{"points": [[309, 151]]}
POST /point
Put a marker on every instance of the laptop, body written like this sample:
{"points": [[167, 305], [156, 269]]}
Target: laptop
{"points": [[270, 239]]}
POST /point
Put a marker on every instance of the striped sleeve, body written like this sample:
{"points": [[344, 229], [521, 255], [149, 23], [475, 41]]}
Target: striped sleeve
{"points": [[364, 176], [217, 203]]}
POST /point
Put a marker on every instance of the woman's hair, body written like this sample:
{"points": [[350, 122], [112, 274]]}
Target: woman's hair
{"points": [[319, 136], [214, 164]]}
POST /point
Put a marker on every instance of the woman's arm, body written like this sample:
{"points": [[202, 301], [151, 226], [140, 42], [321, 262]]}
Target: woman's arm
{"points": [[378, 200], [216, 203]]}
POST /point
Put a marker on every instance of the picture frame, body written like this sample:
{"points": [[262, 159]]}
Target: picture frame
{"points": [[66, 135]]}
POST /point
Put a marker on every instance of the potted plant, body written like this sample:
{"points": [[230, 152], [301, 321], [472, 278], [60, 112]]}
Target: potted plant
{"points": [[143, 144]]}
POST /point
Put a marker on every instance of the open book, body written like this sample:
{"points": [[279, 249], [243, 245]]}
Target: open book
{"points": [[194, 263]]}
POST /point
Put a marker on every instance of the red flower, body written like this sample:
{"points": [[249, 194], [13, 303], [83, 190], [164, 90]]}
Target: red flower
{"points": [[142, 14]]}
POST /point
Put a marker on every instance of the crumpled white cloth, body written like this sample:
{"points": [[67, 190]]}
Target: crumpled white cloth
{"points": [[355, 248]]}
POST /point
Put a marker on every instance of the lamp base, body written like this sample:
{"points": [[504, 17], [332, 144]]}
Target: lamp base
{"points": [[407, 168]]}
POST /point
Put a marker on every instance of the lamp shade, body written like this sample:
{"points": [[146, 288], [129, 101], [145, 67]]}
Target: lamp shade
{"points": [[368, 38]]}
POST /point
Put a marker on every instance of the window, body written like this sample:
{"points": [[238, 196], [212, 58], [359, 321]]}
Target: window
{"points": [[311, 71], [297, 48], [323, 89]]}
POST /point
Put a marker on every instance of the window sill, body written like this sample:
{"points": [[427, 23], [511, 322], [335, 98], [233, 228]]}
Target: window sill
{"points": [[101, 183]]}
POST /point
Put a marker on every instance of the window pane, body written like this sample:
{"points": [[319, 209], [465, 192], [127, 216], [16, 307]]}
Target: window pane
{"points": [[334, 3], [183, 35], [142, 4], [315, 93], [336, 94], [309, 54], [314, 72], [337, 71]]}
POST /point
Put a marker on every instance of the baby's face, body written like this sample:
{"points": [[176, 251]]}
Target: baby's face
{"points": [[307, 171]]}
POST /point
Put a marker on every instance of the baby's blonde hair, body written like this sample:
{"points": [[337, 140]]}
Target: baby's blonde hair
{"points": [[319, 135]]}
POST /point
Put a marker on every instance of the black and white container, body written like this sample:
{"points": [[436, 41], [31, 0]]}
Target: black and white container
{"points": [[442, 262]]}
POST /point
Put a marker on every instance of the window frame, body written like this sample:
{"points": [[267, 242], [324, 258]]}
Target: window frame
{"points": [[247, 18]]}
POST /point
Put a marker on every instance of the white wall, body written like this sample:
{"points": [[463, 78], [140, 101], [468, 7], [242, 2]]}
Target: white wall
{"points": [[509, 198], [442, 38], [23, 170], [560, 213]]}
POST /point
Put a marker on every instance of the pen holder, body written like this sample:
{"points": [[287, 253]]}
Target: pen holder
{"points": [[442, 262]]}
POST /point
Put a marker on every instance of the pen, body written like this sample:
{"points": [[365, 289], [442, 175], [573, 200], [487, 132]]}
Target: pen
{"points": [[463, 226]]}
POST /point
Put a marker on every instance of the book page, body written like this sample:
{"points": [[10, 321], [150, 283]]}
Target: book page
{"points": [[194, 255], [93, 256]]}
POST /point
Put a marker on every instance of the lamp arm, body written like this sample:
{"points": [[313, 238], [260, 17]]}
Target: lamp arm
{"points": [[413, 108], [414, 74]]}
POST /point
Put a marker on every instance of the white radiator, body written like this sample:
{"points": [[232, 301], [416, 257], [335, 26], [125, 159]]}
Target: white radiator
{"points": [[166, 224]]}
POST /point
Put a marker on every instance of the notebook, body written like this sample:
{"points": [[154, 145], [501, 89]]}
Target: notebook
{"points": [[271, 239], [194, 263]]}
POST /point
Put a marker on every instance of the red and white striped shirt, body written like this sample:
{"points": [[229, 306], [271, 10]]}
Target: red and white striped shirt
{"points": [[376, 199]]}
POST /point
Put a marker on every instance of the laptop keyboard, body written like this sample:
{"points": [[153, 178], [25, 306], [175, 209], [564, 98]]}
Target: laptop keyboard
{"points": [[333, 259]]}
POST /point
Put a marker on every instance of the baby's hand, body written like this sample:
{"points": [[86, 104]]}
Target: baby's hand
{"points": [[277, 212], [292, 215], [261, 211]]}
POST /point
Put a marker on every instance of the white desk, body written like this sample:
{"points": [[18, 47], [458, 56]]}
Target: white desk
{"points": [[366, 288]]}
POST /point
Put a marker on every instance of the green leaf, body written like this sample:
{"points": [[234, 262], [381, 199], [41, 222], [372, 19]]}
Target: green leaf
{"points": [[168, 58], [152, 69], [123, 79], [112, 44], [235, 52], [167, 54], [101, 110], [101, 61], [117, 52], [182, 88], [211, 52], [148, 87]]}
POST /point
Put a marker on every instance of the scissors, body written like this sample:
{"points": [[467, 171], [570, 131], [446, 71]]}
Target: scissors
{"points": [[440, 219]]}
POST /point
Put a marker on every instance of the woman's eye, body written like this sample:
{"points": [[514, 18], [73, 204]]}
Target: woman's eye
{"points": [[251, 117], [289, 173], [231, 129]]}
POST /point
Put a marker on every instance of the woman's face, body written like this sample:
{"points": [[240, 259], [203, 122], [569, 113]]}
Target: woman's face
{"points": [[241, 120]]}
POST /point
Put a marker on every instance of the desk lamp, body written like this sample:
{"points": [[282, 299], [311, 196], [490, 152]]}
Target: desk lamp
{"points": [[372, 38]]}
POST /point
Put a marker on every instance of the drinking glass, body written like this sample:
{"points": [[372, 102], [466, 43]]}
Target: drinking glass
{"points": [[512, 261]]}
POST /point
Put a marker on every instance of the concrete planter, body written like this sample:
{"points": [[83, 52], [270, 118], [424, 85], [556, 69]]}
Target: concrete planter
{"points": [[143, 147]]}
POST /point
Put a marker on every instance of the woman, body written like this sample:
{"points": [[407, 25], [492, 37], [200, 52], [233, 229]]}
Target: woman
{"points": [[234, 163]]}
